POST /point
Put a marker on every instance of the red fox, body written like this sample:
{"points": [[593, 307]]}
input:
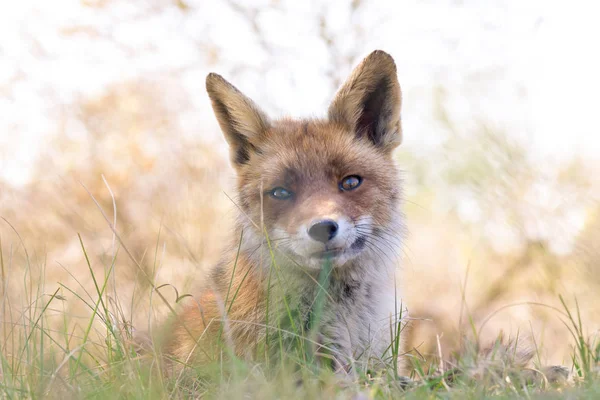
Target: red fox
{"points": [[319, 218]]}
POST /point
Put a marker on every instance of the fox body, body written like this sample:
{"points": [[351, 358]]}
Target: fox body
{"points": [[314, 196]]}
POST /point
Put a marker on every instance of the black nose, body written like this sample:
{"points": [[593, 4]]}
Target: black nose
{"points": [[323, 231]]}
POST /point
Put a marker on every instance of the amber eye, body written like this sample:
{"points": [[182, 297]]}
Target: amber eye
{"points": [[350, 182], [280, 193]]}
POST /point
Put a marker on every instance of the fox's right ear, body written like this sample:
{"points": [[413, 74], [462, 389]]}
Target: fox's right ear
{"points": [[369, 102], [241, 121]]}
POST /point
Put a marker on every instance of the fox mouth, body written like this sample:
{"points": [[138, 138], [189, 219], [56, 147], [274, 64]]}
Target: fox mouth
{"points": [[328, 254]]}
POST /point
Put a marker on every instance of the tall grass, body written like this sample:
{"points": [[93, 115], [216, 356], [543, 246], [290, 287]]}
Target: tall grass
{"points": [[44, 354]]}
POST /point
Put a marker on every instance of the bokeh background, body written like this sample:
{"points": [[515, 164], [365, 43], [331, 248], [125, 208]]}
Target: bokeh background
{"points": [[103, 101]]}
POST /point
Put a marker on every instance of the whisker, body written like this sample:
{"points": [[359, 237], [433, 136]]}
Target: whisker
{"points": [[377, 251], [381, 240]]}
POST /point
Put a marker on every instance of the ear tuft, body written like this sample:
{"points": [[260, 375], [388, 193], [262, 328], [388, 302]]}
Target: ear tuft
{"points": [[369, 101], [243, 123]]}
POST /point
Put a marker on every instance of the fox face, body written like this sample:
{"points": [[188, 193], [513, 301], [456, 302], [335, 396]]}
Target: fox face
{"points": [[319, 189]]}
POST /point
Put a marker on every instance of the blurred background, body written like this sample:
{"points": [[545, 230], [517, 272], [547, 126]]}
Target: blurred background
{"points": [[105, 99]]}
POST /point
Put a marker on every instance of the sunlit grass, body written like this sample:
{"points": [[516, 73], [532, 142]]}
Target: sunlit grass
{"points": [[75, 333], [101, 359]]}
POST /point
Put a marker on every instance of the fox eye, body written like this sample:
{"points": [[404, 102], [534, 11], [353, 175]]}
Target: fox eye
{"points": [[350, 182], [280, 193]]}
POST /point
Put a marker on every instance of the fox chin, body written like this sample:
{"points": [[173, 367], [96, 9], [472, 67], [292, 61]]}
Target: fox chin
{"points": [[313, 195]]}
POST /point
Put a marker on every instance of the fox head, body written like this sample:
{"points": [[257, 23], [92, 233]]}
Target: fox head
{"points": [[320, 189]]}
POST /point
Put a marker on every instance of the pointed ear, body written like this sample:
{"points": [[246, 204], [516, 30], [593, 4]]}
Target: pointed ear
{"points": [[369, 101], [241, 121]]}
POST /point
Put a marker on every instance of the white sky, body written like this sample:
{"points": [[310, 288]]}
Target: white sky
{"points": [[530, 67]]}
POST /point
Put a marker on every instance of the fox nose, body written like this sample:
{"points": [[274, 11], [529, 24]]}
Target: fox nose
{"points": [[323, 231]]}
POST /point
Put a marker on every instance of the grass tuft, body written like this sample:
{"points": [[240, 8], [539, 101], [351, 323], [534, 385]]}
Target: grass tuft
{"points": [[44, 353]]}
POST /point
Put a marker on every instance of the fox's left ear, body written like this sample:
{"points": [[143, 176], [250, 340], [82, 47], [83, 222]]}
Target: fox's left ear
{"points": [[369, 101], [243, 123]]}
